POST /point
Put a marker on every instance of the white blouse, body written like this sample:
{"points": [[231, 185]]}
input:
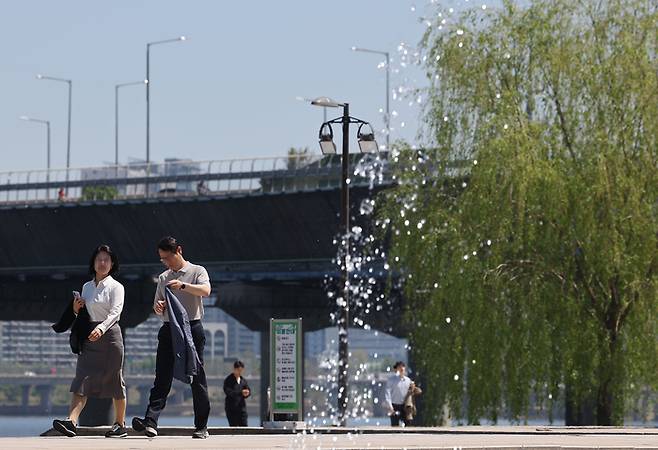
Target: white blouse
{"points": [[104, 302]]}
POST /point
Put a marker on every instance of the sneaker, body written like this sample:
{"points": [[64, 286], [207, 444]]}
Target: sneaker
{"points": [[201, 433], [141, 425], [66, 427], [117, 431]]}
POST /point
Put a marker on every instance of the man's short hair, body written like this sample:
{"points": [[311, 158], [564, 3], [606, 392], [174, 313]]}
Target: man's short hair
{"points": [[238, 364], [169, 244], [399, 364]]}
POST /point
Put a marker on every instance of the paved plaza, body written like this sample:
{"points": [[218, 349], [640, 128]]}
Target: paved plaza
{"points": [[363, 438]]}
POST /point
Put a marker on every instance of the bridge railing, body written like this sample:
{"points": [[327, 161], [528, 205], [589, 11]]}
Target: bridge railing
{"points": [[174, 178]]}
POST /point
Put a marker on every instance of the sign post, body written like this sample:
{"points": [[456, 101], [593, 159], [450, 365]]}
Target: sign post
{"points": [[286, 360]]}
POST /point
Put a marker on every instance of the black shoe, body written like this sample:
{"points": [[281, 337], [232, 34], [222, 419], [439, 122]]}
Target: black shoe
{"points": [[117, 431], [66, 427], [138, 424], [201, 433], [142, 425]]}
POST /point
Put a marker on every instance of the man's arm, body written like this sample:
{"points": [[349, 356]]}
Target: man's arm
{"points": [[200, 290], [246, 386], [159, 297]]}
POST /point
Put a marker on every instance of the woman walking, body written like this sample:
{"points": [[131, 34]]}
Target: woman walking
{"points": [[99, 368]]}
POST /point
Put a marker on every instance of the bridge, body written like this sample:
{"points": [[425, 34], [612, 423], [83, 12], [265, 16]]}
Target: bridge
{"points": [[263, 228]]}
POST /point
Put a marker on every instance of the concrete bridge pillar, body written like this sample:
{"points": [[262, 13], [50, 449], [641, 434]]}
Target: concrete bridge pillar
{"points": [[25, 395], [97, 412], [144, 393], [45, 404], [178, 397], [264, 374], [378, 410]]}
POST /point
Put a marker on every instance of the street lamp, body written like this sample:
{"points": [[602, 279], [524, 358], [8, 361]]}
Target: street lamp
{"points": [[367, 143], [47, 124], [148, 91], [387, 117], [68, 128], [116, 116]]}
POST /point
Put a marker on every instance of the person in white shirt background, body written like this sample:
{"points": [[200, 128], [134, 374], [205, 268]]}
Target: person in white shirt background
{"points": [[99, 367], [397, 387]]}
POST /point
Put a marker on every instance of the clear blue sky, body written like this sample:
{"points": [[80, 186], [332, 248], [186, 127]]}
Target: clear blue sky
{"points": [[228, 92]]}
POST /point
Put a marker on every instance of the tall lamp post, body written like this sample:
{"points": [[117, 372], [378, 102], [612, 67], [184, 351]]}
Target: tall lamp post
{"points": [[148, 91], [367, 144], [47, 124], [68, 128], [387, 118], [116, 116]]}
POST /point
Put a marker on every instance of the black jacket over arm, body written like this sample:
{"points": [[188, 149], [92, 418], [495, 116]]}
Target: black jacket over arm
{"points": [[80, 326]]}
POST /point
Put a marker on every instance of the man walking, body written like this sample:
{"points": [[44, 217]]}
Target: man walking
{"points": [[237, 390], [189, 283], [397, 387]]}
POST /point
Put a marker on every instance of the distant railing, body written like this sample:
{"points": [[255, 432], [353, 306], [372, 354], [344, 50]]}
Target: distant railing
{"points": [[182, 178]]}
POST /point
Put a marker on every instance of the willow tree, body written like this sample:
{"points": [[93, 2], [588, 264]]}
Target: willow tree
{"points": [[527, 236]]}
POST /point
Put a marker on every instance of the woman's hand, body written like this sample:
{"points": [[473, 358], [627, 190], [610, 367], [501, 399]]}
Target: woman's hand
{"points": [[78, 303], [95, 335]]}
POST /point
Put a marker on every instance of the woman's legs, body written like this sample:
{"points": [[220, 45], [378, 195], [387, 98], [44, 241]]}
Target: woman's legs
{"points": [[120, 411], [78, 403]]}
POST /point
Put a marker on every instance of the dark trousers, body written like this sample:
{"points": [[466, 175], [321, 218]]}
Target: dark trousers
{"points": [[236, 418], [398, 415], [164, 375]]}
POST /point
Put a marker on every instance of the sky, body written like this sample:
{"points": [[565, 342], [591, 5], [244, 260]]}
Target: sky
{"points": [[229, 91]]}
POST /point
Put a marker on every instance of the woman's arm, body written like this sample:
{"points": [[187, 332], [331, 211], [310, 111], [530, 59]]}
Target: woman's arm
{"points": [[116, 306]]}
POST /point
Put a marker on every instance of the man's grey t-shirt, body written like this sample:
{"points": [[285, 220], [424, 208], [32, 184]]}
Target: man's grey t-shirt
{"points": [[188, 274]]}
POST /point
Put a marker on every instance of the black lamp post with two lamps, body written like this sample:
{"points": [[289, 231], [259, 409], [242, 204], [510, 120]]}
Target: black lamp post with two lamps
{"points": [[367, 144]]}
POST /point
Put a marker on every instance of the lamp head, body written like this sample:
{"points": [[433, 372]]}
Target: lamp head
{"points": [[326, 138], [366, 138], [326, 102]]}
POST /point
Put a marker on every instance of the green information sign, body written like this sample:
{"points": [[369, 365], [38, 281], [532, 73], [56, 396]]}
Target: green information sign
{"points": [[286, 366]]}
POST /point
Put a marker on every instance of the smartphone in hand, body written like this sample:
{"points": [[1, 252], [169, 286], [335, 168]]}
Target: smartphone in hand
{"points": [[76, 294]]}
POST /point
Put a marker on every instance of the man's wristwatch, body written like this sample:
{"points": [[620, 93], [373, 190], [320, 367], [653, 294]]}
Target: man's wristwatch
{"points": [[182, 286]]}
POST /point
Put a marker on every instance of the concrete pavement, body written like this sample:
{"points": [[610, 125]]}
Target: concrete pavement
{"points": [[364, 438]]}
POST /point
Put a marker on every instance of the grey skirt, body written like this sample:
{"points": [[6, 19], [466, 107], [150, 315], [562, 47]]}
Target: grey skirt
{"points": [[99, 371]]}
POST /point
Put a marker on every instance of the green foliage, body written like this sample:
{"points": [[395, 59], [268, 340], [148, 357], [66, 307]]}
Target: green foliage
{"points": [[532, 223], [99, 193]]}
